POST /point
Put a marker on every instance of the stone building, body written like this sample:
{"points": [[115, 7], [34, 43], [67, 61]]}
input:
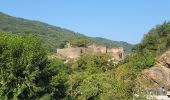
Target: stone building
{"points": [[75, 52], [116, 53], [69, 53], [92, 49]]}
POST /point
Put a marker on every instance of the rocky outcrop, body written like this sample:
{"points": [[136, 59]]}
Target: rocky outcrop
{"points": [[158, 75], [165, 59]]}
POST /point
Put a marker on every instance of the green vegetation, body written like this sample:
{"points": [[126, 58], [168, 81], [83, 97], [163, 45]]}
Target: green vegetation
{"points": [[81, 42], [153, 44], [27, 73], [93, 78], [52, 37], [156, 41], [144, 54]]}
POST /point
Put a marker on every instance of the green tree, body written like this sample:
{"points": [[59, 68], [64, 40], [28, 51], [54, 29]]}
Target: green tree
{"points": [[97, 86], [81, 42], [25, 71], [97, 61], [94, 79]]}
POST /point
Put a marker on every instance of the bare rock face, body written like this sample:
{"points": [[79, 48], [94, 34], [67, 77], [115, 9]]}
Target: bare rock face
{"points": [[165, 59], [158, 75]]}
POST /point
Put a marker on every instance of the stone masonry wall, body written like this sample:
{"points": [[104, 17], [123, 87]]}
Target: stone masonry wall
{"points": [[95, 49], [117, 53], [69, 53], [75, 53]]}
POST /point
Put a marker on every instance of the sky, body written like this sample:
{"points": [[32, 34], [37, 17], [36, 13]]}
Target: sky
{"points": [[120, 20]]}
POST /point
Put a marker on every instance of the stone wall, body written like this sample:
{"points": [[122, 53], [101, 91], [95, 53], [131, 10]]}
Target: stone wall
{"points": [[116, 53], [75, 52], [69, 53], [92, 49]]}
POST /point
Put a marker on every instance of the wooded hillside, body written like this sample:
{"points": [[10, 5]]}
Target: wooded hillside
{"points": [[52, 36]]}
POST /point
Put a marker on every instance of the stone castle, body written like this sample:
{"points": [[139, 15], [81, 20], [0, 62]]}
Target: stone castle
{"points": [[70, 52]]}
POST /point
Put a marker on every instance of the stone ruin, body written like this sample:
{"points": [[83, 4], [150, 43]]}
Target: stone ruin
{"points": [[75, 52], [69, 53]]}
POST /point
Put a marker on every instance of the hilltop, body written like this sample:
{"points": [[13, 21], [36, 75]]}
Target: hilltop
{"points": [[53, 37]]}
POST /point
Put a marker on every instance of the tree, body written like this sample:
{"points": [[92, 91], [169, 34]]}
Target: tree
{"points": [[97, 86], [81, 42], [25, 71], [94, 79], [97, 61]]}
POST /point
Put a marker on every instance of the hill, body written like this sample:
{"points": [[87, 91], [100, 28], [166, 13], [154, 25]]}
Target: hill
{"points": [[52, 36], [158, 75], [26, 71], [148, 64]]}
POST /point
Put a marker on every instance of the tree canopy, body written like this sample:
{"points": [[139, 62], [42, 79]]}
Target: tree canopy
{"points": [[26, 72]]}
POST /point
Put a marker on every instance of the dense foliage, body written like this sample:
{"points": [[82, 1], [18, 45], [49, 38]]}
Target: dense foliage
{"points": [[144, 54], [53, 37], [93, 78], [26, 72], [156, 41], [81, 42]]}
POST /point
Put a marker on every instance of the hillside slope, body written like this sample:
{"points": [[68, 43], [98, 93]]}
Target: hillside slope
{"points": [[52, 36], [158, 75]]}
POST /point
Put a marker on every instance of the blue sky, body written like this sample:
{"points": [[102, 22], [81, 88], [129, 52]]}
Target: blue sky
{"points": [[122, 20]]}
